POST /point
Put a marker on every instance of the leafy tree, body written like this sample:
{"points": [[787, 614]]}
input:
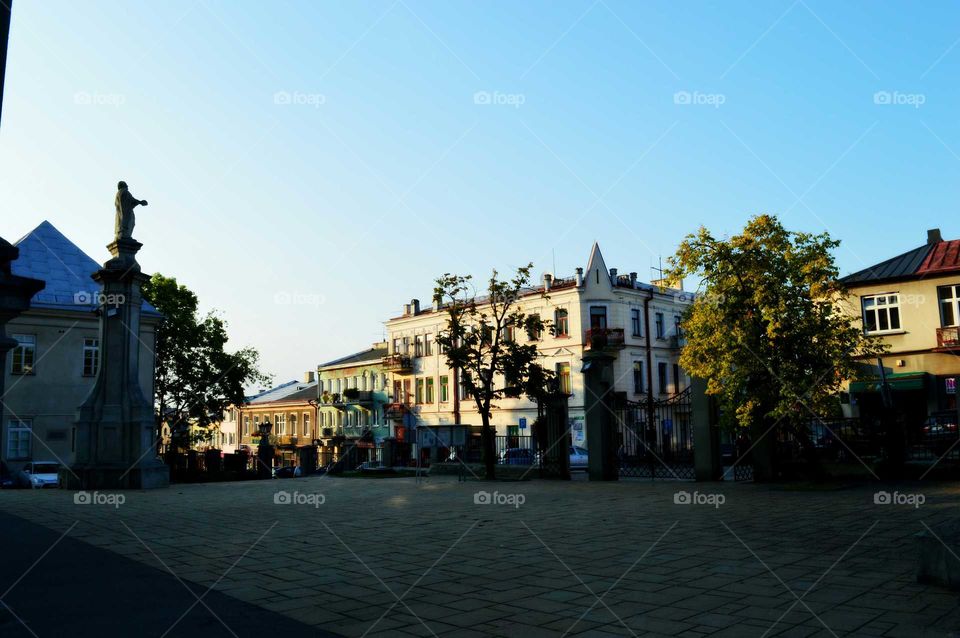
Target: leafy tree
{"points": [[481, 347], [196, 378], [768, 332]]}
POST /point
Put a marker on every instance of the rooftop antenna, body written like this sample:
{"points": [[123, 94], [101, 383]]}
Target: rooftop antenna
{"points": [[658, 269], [554, 251]]}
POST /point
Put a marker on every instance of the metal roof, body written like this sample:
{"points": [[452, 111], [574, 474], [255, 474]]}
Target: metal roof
{"points": [[289, 391], [45, 253], [371, 355], [899, 267]]}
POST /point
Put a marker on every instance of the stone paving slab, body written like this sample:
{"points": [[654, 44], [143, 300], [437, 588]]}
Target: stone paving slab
{"points": [[397, 557]]}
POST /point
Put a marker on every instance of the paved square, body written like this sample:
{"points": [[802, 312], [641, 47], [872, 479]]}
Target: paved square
{"points": [[393, 557]]}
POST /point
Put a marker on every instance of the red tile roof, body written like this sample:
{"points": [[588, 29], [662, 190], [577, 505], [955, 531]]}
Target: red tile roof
{"points": [[944, 256]]}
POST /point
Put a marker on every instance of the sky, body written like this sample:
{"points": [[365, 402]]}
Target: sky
{"points": [[312, 166]]}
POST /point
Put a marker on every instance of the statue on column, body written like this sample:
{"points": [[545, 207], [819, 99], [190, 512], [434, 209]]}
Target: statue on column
{"points": [[125, 202]]}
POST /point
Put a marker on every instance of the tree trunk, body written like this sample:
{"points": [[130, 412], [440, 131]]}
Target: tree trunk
{"points": [[489, 449]]}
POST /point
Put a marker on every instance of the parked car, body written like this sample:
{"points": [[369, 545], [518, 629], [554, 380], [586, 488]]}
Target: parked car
{"points": [[518, 456], [578, 458], [937, 428], [7, 480], [39, 474], [288, 471]]}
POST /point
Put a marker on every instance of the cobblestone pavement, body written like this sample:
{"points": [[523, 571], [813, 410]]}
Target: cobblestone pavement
{"points": [[393, 557]]}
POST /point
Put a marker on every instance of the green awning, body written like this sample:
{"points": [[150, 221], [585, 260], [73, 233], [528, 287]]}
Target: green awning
{"points": [[898, 381]]}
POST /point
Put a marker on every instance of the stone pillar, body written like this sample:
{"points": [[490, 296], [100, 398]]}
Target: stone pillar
{"points": [[556, 454], [15, 295], [600, 423], [116, 447], [707, 461]]}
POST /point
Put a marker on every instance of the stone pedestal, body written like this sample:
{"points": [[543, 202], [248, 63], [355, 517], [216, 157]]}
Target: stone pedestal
{"points": [[600, 423], [938, 562], [707, 461], [116, 444]]}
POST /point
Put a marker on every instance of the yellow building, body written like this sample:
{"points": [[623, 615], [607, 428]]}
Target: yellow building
{"points": [[912, 302]]}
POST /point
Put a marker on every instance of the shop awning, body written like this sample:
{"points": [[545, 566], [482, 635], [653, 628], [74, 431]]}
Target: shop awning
{"points": [[898, 382]]}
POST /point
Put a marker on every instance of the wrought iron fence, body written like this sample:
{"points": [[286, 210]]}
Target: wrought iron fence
{"points": [[656, 439]]}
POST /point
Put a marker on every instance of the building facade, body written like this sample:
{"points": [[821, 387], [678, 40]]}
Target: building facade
{"points": [[912, 303], [53, 368], [291, 411], [596, 306], [353, 394]]}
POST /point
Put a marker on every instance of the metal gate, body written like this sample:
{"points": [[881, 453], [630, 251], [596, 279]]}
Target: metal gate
{"points": [[656, 440]]}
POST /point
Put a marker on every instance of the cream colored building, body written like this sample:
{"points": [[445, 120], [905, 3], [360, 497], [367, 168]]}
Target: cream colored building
{"points": [[597, 303], [912, 302]]}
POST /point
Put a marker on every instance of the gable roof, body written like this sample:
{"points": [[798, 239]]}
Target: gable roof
{"points": [[899, 267], [943, 256], [597, 274], [371, 355], [45, 253], [289, 391]]}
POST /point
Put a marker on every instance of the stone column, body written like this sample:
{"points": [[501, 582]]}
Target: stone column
{"points": [[600, 424], [707, 461], [15, 295], [115, 425]]}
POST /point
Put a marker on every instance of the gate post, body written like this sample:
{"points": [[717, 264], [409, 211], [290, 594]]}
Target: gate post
{"points": [[598, 381], [707, 461], [554, 453]]}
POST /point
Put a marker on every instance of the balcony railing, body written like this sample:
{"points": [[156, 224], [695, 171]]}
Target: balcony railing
{"points": [[395, 410], [398, 363], [948, 337], [348, 396], [603, 338]]}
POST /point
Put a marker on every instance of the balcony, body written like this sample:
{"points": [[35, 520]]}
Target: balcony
{"points": [[604, 339], [395, 411], [400, 363], [948, 338], [678, 341], [349, 396]]}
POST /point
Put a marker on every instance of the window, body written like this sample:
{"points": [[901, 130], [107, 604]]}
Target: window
{"points": [[509, 333], [561, 321], [419, 398], [396, 346], [676, 378], [635, 322], [677, 330], [662, 376], [18, 438], [533, 334], [598, 317], [293, 424], [444, 389], [563, 376], [881, 313], [23, 354], [91, 356], [638, 377], [246, 424], [430, 390], [280, 423], [418, 346], [659, 324], [427, 345], [949, 297]]}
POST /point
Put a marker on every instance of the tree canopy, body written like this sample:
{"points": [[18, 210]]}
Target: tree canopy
{"points": [[196, 378], [480, 344], [767, 331]]}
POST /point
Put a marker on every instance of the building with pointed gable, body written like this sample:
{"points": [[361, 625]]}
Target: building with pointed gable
{"points": [[596, 307]]}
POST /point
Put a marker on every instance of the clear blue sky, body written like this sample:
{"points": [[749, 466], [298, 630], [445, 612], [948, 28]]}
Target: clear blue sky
{"points": [[384, 172]]}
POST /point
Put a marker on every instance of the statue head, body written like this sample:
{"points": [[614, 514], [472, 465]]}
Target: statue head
{"points": [[121, 186]]}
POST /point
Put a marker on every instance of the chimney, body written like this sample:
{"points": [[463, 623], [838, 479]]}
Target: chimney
{"points": [[579, 277], [933, 236], [633, 280], [436, 304], [308, 376], [415, 306], [613, 276], [547, 282], [406, 310]]}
